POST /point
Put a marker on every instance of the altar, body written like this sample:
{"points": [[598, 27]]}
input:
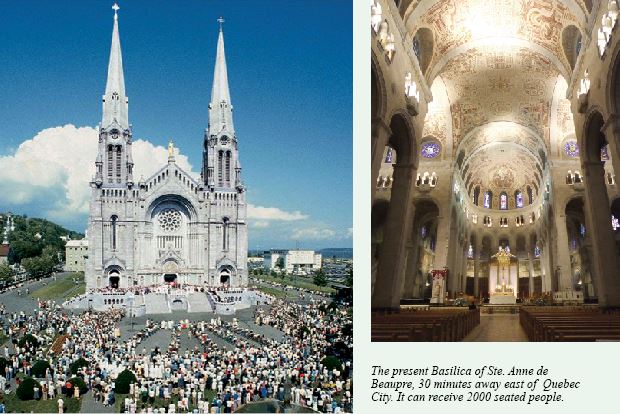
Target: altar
{"points": [[503, 278]]}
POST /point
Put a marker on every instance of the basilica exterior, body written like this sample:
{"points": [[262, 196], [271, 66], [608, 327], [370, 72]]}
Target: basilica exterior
{"points": [[172, 226]]}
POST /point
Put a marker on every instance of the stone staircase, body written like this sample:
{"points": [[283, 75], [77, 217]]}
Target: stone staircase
{"points": [[198, 303], [157, 303]]}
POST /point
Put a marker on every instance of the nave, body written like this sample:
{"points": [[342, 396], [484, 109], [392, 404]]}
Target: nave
{"points": [[495, 141]]}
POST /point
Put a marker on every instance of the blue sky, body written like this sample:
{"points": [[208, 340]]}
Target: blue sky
{"points": [[290, 73]]}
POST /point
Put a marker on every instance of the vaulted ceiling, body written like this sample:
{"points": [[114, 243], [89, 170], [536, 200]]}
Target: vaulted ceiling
{"points": [[503, 66]]}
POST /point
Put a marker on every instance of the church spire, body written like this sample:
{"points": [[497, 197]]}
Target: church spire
{"points": [[114, 101], [220, 108]]}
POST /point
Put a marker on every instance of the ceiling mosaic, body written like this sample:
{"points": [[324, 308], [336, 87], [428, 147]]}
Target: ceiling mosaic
{"points": [[502, 168], [500, 61], [499, 84], [456, 22]]}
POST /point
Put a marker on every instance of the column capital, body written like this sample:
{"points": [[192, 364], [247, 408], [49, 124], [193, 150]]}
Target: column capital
{"points": [[612, 124], [378, 126]]}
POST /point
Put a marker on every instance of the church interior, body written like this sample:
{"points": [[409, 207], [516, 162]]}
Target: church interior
{"points": [[495, 139]]}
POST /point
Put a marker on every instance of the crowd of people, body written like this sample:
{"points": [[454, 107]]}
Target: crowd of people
{"points": [[202, 375]]}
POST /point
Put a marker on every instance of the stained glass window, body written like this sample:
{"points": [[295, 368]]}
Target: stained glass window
{"points": [[582, 230], [470, 252], [604, 153], [503, 201], [571, 149], [519, 198], [416, 47], [615, 224], [430, 149], [389, 156], [487, 200], [423, 232], [536, 251]]}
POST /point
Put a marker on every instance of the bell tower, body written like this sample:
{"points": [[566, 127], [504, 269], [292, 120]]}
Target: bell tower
{"points": [[221, 168], [114, 164]]}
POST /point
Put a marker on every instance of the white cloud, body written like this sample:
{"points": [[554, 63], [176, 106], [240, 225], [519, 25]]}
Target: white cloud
{"points": [[50, 174], [273, 213], [313, 233], [260, 224], [350, 232]]}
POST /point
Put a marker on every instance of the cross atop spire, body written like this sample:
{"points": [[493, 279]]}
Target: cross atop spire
{"points": [[221, 20], [115, 100]]}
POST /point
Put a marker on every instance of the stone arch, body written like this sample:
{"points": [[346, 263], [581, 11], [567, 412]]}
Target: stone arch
{"points": [[423, 45], [571, 44], [176, 200], [403, 139], [612, 97], [114, 274], [593, 137], [378, 91]]}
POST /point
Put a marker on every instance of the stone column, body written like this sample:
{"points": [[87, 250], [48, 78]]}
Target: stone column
{"points": [[380, 136], [409, 280], [530, 265], [605, 266], [464, 264], [477, 251], [397, 229], [562, 258], [611, 129]]}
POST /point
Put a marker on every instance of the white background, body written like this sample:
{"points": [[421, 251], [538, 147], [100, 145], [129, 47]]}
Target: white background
{"points": [[596, 365]]}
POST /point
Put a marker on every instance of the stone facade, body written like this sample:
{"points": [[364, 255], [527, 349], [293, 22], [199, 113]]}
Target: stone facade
{"points": [[171, 226]]}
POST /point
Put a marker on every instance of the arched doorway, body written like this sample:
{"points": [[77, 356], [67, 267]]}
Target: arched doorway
{"points": [[114, 277], [170, 277], [225, 277], [171, 271]]}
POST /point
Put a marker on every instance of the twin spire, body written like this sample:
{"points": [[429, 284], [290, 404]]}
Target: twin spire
{"points": [[115, 103], [220, 108], [115, 108]]}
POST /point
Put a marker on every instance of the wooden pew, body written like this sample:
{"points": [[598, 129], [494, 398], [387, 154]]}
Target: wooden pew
{"points": [[436, 324], [576, 323]]}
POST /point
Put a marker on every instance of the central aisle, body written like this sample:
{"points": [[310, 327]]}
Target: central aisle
{"points": [[497, 328]]}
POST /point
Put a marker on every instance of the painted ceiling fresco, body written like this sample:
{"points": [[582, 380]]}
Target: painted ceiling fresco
{"points": [[495, 83]]}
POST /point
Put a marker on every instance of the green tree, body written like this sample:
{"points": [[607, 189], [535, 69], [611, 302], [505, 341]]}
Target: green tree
{"points": [[280, 263], [80, 383], [39, 368], [25, 391], [123, 380], [331, 362], [6, 273], [319, 278], [76, 365], [349, 280]]}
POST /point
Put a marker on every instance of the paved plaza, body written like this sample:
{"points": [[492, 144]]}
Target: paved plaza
{"points": [[226, 334]]}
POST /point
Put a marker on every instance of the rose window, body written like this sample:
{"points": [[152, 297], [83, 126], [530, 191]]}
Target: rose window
{"points": [[571, 149], [170, 220], [430, 149]]}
